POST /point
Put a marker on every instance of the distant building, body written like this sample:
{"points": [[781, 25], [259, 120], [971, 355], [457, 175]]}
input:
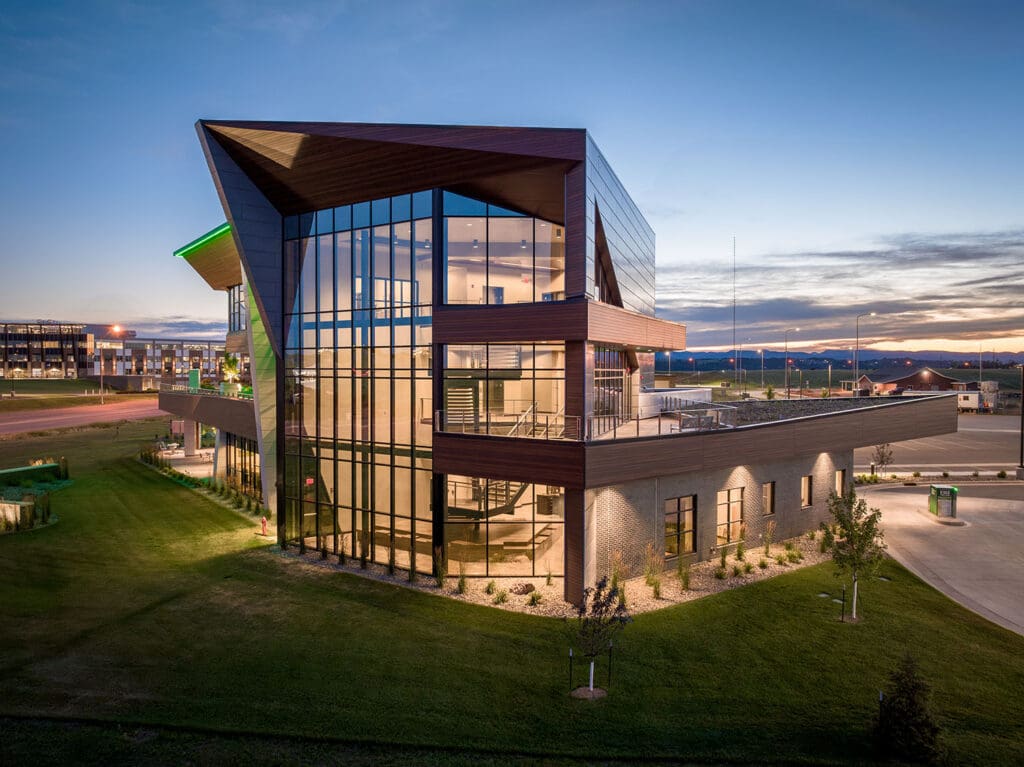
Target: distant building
{"points": [[49, 349]]}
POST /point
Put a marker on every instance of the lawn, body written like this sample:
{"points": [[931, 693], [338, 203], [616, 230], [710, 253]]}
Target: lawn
{"points": [[150, 605], [37, 386]]}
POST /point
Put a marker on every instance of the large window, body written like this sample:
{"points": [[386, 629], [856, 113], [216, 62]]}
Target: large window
{"points": [[768, 498], [498, 256], [238, 313], [358, 379], [499, 527], [509, 390], [730, 515], [680, 517], [806, 490]]}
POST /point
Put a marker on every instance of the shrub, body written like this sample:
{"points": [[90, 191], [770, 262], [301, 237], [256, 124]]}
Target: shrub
{"points": [[463, 586], [945, 474], [1001, 475], [721, 560], [440, 567], [916, 474], [683, 572], [534, 599], [547, 578], [780, 559], [501, 597], [618, 568], [904, 727], [656, 587], [769, 533], [788, 545], [763, 564], [748, 568], [974, 473], [739, 550], [810, 535], [622, 596], [794, 556], [736, 572], [491, 587], [654, 564]]}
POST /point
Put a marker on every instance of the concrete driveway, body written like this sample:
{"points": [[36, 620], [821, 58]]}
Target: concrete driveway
{"points": [[979, 565]]}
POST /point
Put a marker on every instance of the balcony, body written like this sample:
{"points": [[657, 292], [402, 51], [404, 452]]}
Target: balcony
{"points": [[229, 411]]}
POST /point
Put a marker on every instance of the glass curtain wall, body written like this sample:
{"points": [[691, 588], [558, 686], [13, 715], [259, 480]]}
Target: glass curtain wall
{"points": [[497, 256], [358, 399], [612, 395], [503, 528], [508, 390], [238, 312], [242, 464]]}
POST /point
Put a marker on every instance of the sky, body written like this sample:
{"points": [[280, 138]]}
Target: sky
{"points": [[866, 156]]}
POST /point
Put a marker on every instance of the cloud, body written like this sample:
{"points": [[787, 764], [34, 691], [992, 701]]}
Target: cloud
{"points": [[178, 327], [957, 286]]}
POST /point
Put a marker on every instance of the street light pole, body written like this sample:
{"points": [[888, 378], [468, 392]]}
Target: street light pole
{"points": [[103, 362], [1020, 468], [762, 368], [795, 330], [856, 355]]}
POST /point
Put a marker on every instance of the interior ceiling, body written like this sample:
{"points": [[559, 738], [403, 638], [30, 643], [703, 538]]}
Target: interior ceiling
{"points": [[310, 166]]}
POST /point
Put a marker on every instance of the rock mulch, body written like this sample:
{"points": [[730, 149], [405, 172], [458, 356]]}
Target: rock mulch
{"points": [[639, 596]]}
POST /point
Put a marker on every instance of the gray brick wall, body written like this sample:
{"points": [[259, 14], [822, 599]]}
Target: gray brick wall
{"points": [[625, 518]]}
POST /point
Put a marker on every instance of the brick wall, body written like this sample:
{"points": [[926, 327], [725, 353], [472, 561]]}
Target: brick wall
{"points": [[629, 516]]}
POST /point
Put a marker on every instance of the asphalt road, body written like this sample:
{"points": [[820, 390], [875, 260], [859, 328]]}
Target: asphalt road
{"points": [[981, 564], [129, 409], [984, 443]]}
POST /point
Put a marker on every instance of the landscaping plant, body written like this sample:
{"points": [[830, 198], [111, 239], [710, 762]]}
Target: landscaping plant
{"points": [[600, 616], [882, 456], [855, 541], [905, 728]]}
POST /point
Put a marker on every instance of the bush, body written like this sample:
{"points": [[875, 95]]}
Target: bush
{"points": [[794, 556], [945, 475], [720, 573], [654, 564], [748, 568], [780, 559], [440, 567], [534, 599], [656, 587], [491, 587], [1001, 475], [683, 572], [769, 534], [916, 474], [904, 728], [501, 597], [739, 550], [736, 572], [463, 586], [974, 473], [763, 564]]}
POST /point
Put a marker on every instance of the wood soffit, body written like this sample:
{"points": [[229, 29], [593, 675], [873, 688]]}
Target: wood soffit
{"points": [[217, 262], [311, 166]]}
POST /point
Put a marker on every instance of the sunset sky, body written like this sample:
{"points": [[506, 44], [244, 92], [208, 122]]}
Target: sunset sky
{"points": [[867, 156]]}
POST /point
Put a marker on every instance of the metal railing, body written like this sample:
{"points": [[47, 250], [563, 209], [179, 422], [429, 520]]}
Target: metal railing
{"points": [[548, 426], [225, 394], [695, 417]]}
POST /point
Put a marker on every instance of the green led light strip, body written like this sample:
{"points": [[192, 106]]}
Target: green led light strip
{"points": [[196, 244]]}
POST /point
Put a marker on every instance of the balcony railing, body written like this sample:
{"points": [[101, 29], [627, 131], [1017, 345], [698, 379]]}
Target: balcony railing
{"points": [[530, 424], [226, 393]]}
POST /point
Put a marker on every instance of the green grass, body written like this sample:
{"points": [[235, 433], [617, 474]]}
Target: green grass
{"points": [[32, 386], [149, 605], [48, 402]]}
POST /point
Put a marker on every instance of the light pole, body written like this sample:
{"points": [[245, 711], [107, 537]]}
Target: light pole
{"points": [[856, 355], [695, 370], [103, 362], [788, 330], [761, 352], [1020, 468]]}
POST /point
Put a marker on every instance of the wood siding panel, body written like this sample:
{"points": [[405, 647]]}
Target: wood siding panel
{"points": [[612, 324], [510, 323], [575, 232], [237, 416], [575, 545], [525, 460], [612, 462]]}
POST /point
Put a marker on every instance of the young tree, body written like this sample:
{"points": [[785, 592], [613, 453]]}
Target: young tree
{"points": [[599, 617], [769, 392], [853, 539], [882, 456], [905, 728]]}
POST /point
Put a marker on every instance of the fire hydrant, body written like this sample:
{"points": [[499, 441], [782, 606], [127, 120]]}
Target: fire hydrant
{"points": [[263, 524]]}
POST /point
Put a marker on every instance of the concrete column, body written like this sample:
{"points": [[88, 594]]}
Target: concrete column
{"points": [[192, 438], [220, 456]]}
